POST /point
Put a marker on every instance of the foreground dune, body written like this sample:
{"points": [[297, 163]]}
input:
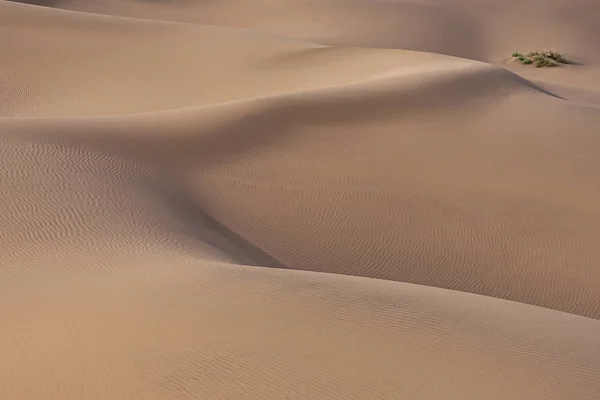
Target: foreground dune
{"points": [[182, 204]]}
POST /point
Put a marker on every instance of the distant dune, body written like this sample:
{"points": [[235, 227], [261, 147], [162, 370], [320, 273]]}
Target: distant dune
{"points": [[195, 195]]}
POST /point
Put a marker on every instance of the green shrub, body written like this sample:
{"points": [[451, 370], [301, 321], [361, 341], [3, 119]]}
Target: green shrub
{"points": [[540, 59]]}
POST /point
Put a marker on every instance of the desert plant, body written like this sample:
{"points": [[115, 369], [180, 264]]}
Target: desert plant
{"points": [[546, 58], [540, 60]]}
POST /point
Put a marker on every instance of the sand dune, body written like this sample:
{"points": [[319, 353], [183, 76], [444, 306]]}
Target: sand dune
{"points": [[195, 197], [469, 28]]}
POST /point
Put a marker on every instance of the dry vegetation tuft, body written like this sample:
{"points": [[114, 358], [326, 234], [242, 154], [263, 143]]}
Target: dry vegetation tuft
{"points": [[546, 58]]}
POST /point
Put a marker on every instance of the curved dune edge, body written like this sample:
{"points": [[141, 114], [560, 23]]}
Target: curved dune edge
{"points": [[184, 329], [236, 164], [481, 30], [135, 77], [143, 192]]}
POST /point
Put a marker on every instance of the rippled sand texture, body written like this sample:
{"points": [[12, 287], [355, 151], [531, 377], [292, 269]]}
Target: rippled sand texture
{"points": [[195, 195]]}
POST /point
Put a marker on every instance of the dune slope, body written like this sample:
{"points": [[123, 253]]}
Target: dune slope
{"points": [[182, 204], [484, 30]]}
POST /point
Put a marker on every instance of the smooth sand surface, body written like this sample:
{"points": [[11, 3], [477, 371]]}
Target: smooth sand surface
{"points": [[196, 195]]}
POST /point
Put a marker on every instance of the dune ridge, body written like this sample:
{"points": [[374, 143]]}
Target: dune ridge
{"points": [[195, 200]]}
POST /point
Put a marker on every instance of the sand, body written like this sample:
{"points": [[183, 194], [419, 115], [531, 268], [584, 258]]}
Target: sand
{"points": [[277, 199]]}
